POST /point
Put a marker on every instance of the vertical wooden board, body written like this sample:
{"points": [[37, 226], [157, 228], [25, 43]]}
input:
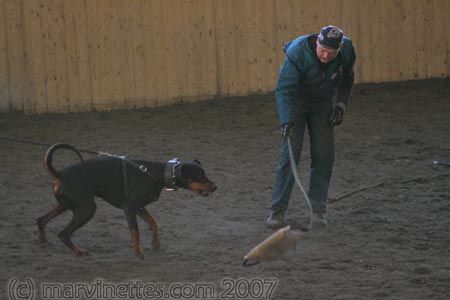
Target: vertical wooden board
{"points": [[242, 22], [396, 31], [191, 51], [267, 50], [227, 56], [125, 54], [231, 52], [77, 59], [111, 32], [170, 43], [92, 23], [181, 25], [400, 32], [218, 17], [36, 101], [28, 105], [105, 59], [201, 53], [283, 25], [409, 62], [302, 18], [322, 11], [5, 97], [210, 44], [346, 22], [226, 48], [254, 39], [352, 20], [220, 22], [364, 44], [154, 54], [16, 59], [161, 74], [189, 41], [422, 29], [110, 96], [421, 41], [184, 44], [432, 39], [238, 10], [103, 55], [49, 52], [334, 13], [373, 63], [447, 26], [387, 55], [143, 53], [92, 34], [439, 52], [351, 28], [52, 16]]}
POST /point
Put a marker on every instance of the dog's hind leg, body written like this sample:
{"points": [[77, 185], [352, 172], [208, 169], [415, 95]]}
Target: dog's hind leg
{"points": [[130, 214], [42, 221], [81, 215], [144, 214]]}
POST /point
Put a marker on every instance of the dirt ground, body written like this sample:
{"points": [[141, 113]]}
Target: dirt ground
{"points": [[385, 242]]}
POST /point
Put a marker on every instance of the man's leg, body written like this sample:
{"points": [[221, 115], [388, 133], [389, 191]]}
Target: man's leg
{"points": [[284, 180], [322, 156]]}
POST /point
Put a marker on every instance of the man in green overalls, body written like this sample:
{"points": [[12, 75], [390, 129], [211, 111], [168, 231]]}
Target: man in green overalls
{"points": [[316, 68]]}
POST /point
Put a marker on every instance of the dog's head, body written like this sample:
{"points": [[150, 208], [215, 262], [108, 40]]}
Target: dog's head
{"points": [[190, 175]]}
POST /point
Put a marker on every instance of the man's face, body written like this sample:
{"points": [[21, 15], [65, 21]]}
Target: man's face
{"points": [[325, 55]]}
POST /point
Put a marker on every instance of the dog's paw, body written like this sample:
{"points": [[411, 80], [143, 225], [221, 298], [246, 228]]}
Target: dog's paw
{"points": [[81, 253], [156, 245], [140, 255]]}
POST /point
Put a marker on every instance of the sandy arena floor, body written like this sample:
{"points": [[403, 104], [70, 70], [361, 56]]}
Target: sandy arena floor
{"points": [[386, 242]]}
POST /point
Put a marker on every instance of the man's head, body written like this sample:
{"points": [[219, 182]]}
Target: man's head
{"points": [[329, 43]]}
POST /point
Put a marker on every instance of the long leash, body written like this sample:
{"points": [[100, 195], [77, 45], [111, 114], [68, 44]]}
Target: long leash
{"points": [[141, 168], [297, 180], [29, 142]]}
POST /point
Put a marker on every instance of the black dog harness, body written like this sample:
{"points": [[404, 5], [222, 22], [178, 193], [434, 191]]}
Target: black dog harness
{"points": [[171, 171]]}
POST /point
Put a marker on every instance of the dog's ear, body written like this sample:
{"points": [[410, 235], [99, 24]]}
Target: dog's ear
{"points": [[197, 162]]}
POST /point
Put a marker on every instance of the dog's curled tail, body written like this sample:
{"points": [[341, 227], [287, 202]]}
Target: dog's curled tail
{"points": [[48, 159]]}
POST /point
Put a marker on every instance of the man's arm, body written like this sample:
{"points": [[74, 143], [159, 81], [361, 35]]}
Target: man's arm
{"points": [[348, 78], [286, 91]]}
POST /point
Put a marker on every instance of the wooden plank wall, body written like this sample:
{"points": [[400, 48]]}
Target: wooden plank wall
{"points": [[82, 55]]}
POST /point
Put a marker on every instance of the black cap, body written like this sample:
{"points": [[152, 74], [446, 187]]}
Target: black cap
{"points": [[331, 37]]}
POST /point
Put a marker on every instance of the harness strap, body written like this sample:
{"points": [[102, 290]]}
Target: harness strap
{"points": [[125, 179], [170, 175], [125, 159]]}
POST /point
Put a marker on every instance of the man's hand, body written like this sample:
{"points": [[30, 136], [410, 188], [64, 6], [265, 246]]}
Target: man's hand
{"points": [[337, 116], [286, 129]]}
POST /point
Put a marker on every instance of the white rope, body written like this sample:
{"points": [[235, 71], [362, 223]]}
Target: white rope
{"points": [[297, 180]]}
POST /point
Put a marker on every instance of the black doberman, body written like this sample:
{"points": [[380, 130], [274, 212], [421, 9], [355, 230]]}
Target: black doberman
{"points": [[124, 183]]}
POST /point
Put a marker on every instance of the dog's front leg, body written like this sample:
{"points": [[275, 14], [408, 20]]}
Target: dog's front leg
{"points": [[130, 214], [144, 214]]}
